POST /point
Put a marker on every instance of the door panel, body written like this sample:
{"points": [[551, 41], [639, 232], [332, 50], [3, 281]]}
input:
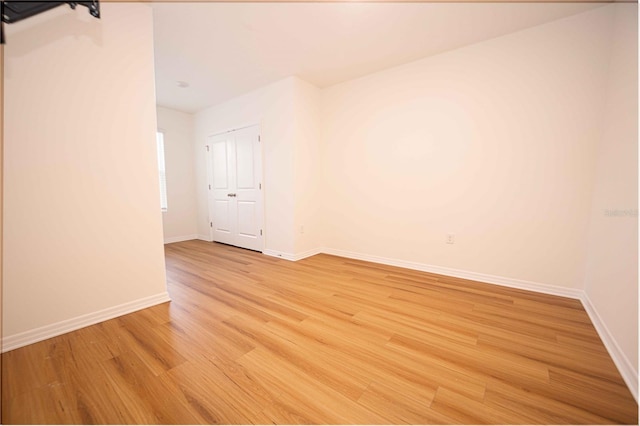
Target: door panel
{"points": [[247, 218], [221, 185], [235, 192], [221, 213], [220, 167], [245, 167]]}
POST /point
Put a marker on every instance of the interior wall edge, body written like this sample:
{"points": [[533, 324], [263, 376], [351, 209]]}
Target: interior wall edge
{"points": [[627, 370], [52, 330]]}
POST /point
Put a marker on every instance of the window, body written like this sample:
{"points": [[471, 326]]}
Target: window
{"points": [[162, 173]]}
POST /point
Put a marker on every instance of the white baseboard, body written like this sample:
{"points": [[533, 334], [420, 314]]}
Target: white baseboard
{"points": [[272, 253], [42, 333], [457, 273], [307, 253], [290, 256], [203, 237], [279, 254], [627, 370], [169, 240]]}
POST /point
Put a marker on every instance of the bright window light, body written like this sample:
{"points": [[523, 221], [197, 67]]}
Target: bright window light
{"points": [[162, 171]]}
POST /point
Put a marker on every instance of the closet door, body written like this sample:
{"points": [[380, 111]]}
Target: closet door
{"points": [[235, 188]]}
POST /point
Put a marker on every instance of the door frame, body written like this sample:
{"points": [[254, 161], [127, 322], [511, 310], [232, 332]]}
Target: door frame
{"points": [[209, 183]]}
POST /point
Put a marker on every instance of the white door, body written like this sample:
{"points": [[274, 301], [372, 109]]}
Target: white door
{"points": [[235, 188]]}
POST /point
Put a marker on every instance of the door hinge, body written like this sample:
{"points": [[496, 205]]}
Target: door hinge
{"points": [[261, 232], [258, 138], [209, 187], [210, 224], [207, 148], [259, 186]]}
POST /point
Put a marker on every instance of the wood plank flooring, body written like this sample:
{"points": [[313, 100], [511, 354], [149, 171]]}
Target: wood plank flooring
{"points": [[253, 339]]}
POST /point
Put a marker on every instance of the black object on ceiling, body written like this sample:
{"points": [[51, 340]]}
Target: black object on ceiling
{"points": [[14, 11]]}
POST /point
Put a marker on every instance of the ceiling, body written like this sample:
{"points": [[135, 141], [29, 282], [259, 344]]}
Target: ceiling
{"points": [[223, 50]]}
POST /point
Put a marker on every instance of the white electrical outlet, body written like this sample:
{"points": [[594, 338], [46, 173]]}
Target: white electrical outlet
{"points": [[451, 238]]}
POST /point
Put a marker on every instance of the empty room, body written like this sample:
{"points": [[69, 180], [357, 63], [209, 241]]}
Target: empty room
{"points": [[320, 213]]}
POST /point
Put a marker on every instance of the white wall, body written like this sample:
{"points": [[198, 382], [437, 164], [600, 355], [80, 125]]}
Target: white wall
{"points": [[1, 187], [288, 114], [612, 270], [494, 142], [272, 108], [83, 230], [179, 221], [308, 221]]}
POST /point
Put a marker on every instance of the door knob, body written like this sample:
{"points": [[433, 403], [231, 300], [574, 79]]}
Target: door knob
{"points": [[231, 195]]}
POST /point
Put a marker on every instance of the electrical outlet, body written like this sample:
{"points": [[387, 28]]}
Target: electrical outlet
{"points": [[451, 238], [301, 229]]}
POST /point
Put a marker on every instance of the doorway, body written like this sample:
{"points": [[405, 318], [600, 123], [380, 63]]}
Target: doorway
{"points": [[234, 174]]}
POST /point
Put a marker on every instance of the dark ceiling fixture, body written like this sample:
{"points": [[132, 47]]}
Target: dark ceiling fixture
{"points": [[14, 11]]}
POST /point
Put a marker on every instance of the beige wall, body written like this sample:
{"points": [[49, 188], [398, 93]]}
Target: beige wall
{"points": [[494, 142], [179, 221], [612, 270], [83, 229]]}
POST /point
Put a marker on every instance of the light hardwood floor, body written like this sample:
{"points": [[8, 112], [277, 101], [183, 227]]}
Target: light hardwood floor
{"points": [[253, 339]]}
